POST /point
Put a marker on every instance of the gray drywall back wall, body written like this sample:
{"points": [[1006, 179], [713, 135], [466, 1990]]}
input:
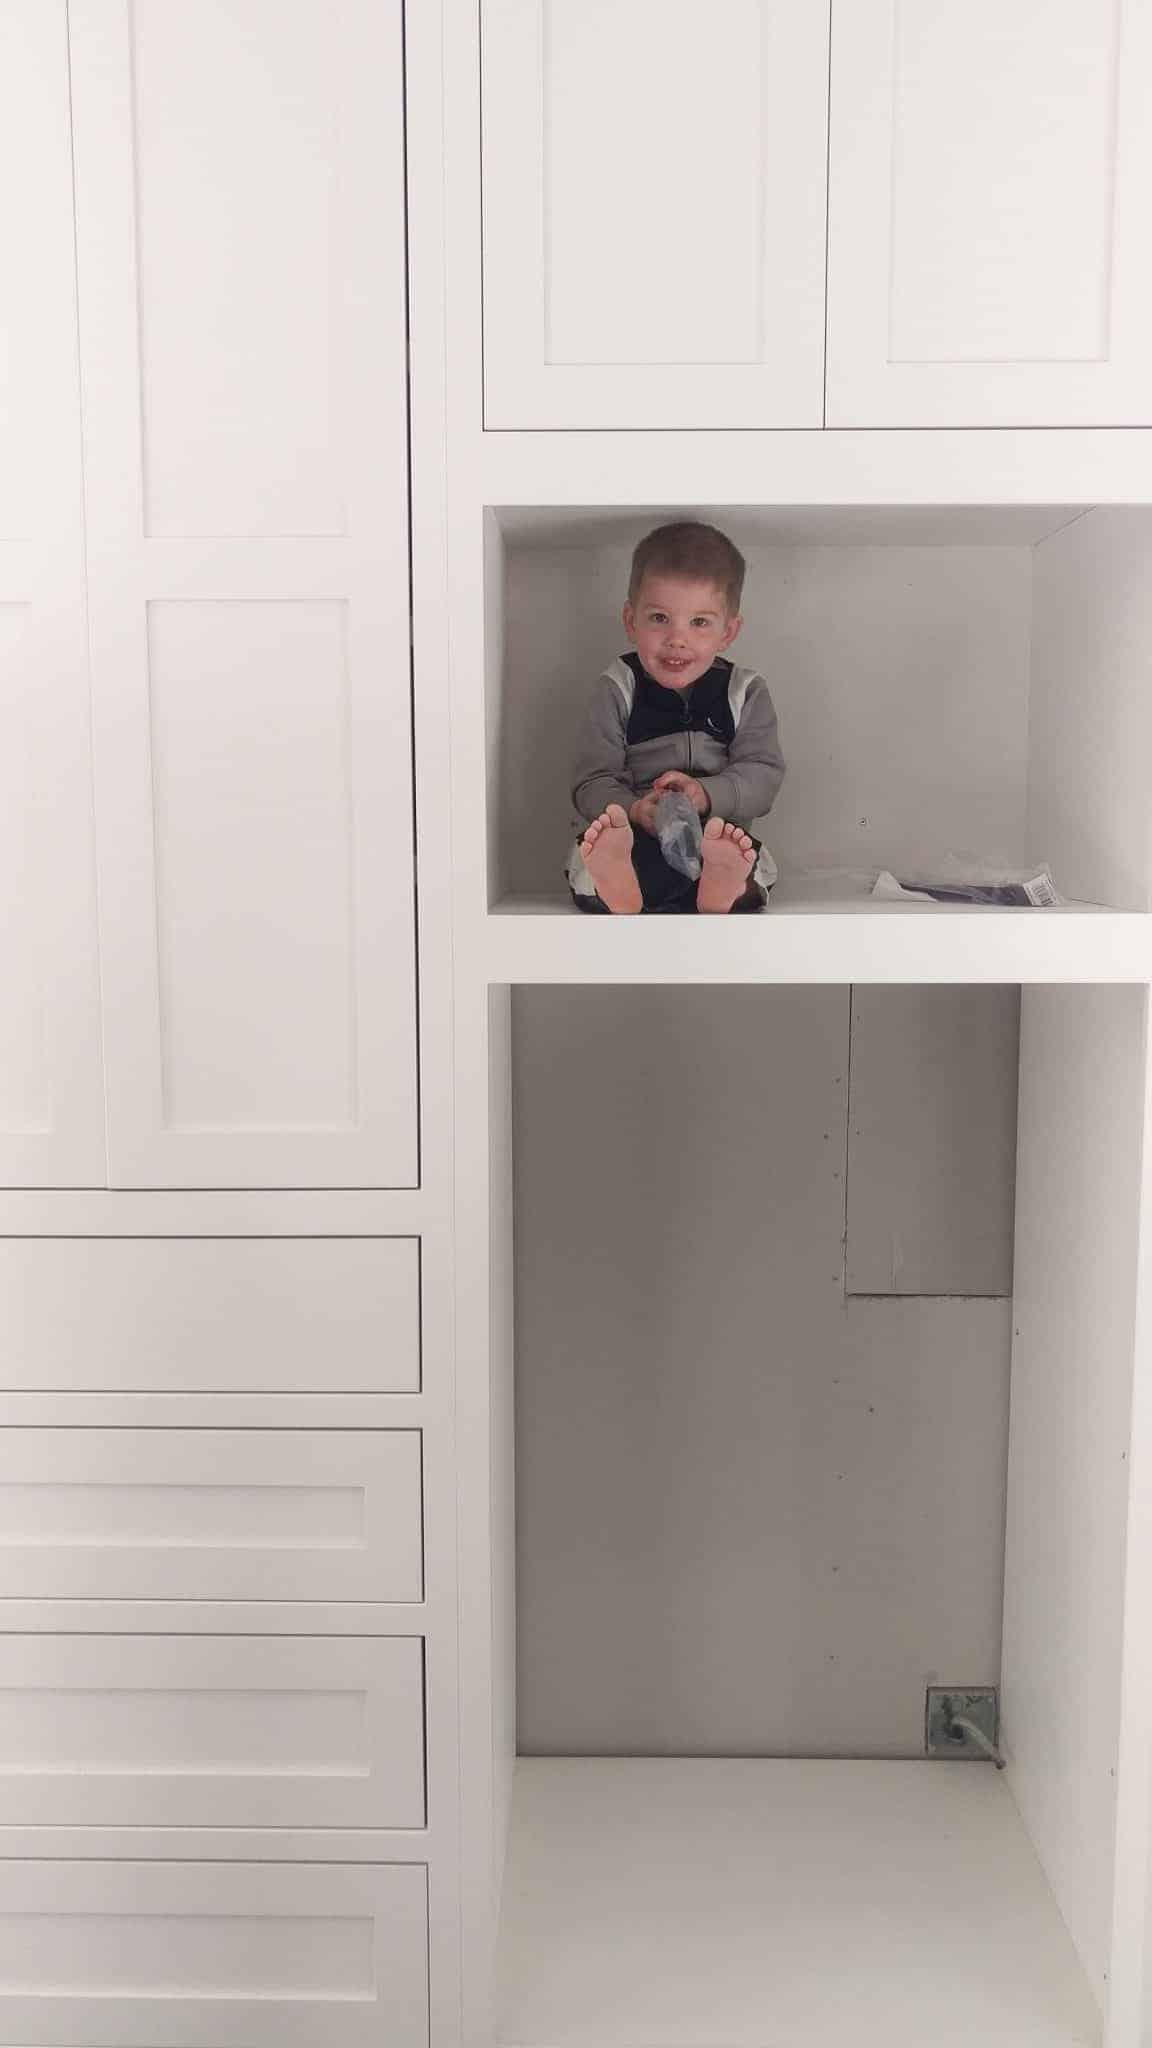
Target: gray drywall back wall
{"points": [[753, 1516]]}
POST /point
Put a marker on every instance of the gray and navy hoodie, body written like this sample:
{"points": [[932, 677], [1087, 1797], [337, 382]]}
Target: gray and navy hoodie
{"points": [[722, 730]]}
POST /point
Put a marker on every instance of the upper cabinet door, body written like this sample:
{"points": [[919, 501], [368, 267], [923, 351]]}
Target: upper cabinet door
{"points": [[51, 1085], [240, 233], [990, 171], [654, 212]]}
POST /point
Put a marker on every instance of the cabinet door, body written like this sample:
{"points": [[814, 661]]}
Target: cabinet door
{"points": [[654, 213], [241, 269], [51, 1088], [989, 175]]}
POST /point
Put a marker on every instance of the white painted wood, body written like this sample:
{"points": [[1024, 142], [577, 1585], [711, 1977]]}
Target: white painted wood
{"points": [[802, 1903], [211, 1617], [169, 1514], [275, 1411], [502, 1353], [210, 1314], [51, 1092], [246, 517], [136, 1954], [1082, 1111], [988, 177], [755, 1445], [773, 525], [406, 1846], [201, 1212], [1090, 739], [654, 213], [932, 1141], [272, 1731], [547, 941], [863, 467], [1130, 1969]]}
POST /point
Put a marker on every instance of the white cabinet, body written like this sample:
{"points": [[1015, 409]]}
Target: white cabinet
{"points": [[207, 1731], [211, 1514], [167, 1955], [989, 172], [240, 256], [51, 1092], [654, 213], [210, 1315]]}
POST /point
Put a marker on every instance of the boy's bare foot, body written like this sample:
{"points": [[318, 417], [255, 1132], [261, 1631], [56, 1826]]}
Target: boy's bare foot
{"points": [[607, 850], [728, 857]]}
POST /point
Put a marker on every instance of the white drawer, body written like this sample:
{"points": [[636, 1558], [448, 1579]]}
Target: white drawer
{"points": [[156, 1731], [177, 1955], [211, 1514], [205, 1315]]}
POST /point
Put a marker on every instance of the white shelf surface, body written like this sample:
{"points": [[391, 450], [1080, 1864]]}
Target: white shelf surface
{"points": [[819, 928], [714, 1903]]}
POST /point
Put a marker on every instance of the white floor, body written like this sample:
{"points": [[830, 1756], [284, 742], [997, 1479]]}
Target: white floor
{"points": [[708, 1903]]}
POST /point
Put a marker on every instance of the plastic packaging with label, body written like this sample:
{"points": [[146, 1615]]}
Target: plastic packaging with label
{"points": [[964, 879]]}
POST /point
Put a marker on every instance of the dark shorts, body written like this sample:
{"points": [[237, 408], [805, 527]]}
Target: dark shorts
{"points": [[665, 890]]}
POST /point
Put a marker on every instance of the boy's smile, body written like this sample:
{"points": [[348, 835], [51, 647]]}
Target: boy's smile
{"points": [[678, 626]]}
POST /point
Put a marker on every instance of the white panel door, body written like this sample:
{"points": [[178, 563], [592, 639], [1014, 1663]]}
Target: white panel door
{"points": [[654, 212], [180, 1731], [240, 239], [989, 171], [210, 1315], [212, 1955], [211, 1514], [51, 1087]]}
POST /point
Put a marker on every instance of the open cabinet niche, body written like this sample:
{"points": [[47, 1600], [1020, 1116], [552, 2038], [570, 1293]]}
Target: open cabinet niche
{"points": [[815, 1364], [948, 680]]}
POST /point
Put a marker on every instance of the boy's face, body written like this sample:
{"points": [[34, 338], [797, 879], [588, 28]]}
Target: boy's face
{"points": [[678, 627]]}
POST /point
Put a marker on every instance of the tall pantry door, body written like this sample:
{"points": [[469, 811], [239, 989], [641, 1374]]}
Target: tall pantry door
{"points": [[989, 172], [51, 1087], [240, 254], [654, 181]]}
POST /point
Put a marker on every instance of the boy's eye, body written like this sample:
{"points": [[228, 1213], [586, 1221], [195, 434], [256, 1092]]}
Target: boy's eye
{"points": [[702, 620], [657, 618]]}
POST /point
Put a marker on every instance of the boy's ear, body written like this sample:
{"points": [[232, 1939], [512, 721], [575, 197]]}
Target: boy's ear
{"points": [[629, 617], [731, 629]]}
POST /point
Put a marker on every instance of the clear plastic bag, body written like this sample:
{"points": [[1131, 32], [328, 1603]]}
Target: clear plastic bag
{"points": [[680, 832]]}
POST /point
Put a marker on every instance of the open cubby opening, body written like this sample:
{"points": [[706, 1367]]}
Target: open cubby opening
{"points": [[814, 1358], [950, 680]]}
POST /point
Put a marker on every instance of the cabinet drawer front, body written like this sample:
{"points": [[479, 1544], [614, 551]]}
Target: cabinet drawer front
{"points": [[206, 1315], [171, 1955], [593, 114], [212, 1514], [276, 1731]]}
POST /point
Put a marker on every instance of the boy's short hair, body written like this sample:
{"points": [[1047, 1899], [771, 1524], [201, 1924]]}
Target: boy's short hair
{"points": [[688, 548]]}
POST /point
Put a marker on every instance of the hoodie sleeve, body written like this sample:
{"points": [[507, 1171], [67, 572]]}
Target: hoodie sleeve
{"points": [[599, 774], [747, 788]]}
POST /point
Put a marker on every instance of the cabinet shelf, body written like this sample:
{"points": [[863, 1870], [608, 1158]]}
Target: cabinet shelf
{"points": [[756, 1903], [809, 937]]}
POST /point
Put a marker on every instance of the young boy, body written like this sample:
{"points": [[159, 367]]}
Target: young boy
{"points": [[675, 715]]}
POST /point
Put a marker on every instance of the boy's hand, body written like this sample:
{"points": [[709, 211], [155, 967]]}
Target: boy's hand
{"points": [[686, 785], [643, 813]]}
